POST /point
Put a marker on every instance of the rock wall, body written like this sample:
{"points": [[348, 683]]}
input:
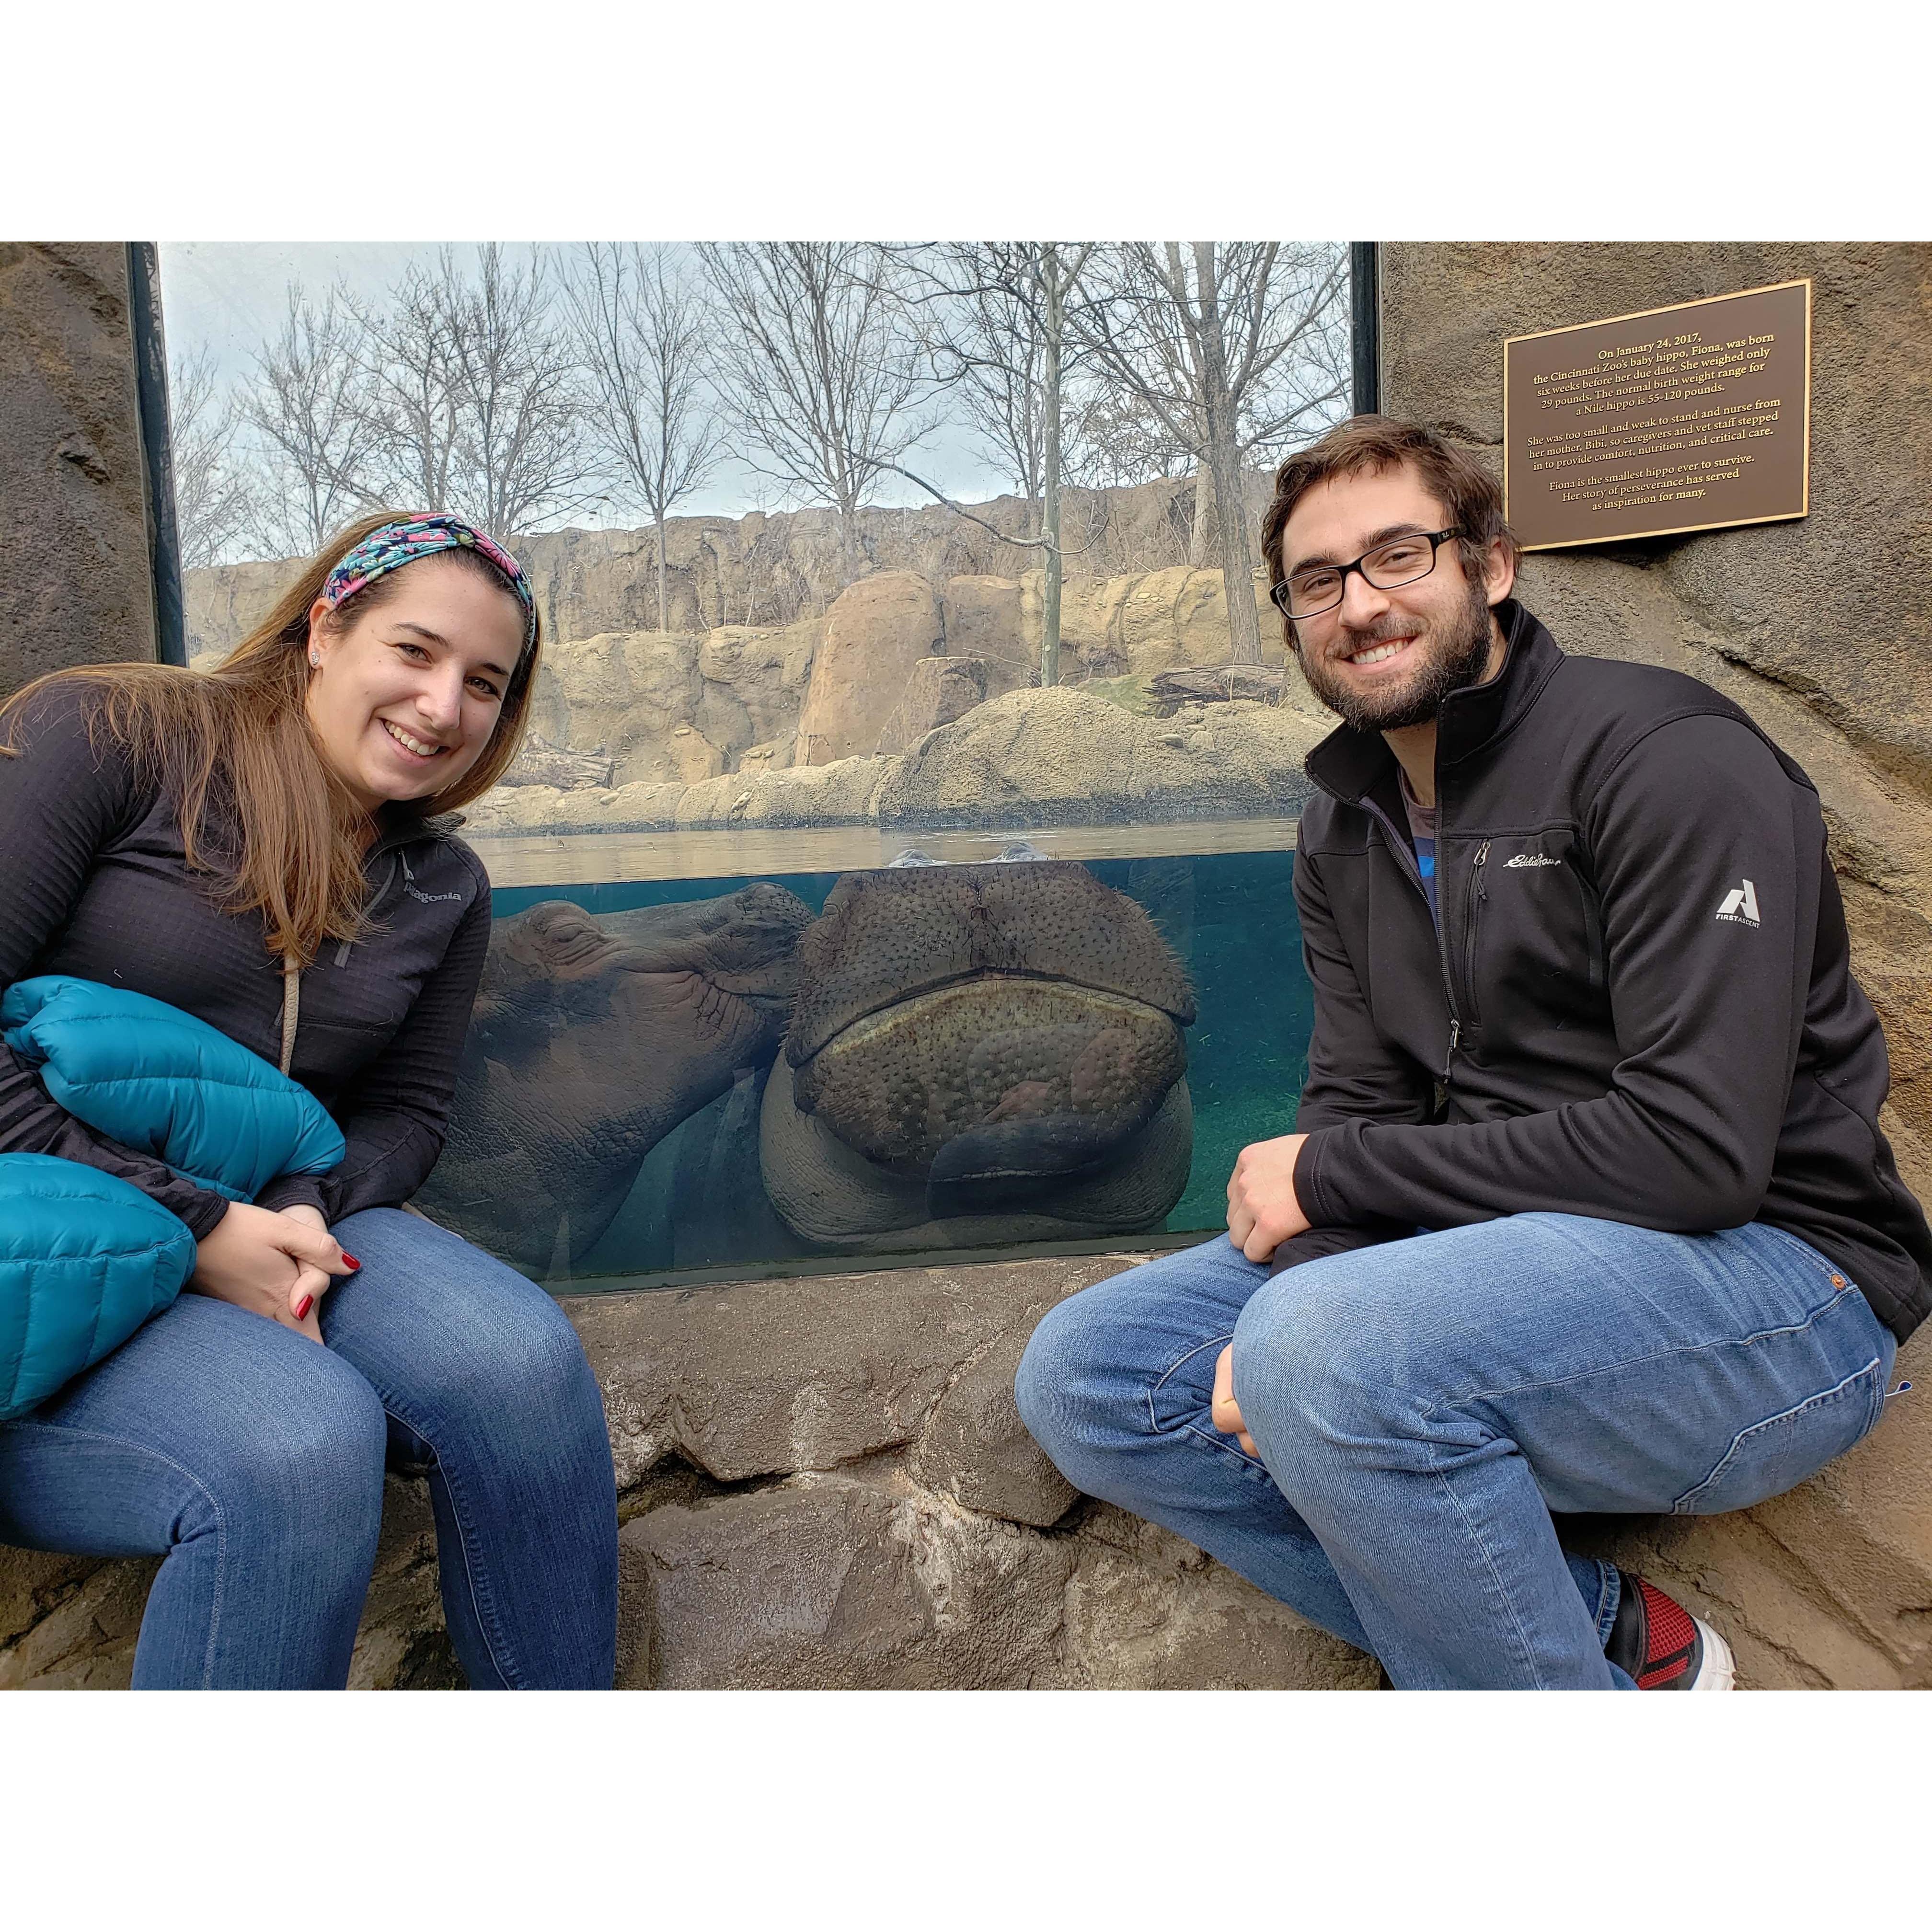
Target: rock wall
{"points": [[1065, 756], [823, 1482], [1822, 629], [896, 656], [77, 587], [770, 569]]}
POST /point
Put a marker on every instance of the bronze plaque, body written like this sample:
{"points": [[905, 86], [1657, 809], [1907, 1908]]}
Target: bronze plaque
{"points": [[1688, 417]]}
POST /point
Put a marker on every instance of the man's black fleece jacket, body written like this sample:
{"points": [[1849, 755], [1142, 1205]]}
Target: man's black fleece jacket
{"points": [[1639, 1005], [93, 883]]}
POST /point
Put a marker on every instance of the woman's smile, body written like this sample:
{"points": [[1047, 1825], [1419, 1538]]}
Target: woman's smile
{"points": [[419, 751]]}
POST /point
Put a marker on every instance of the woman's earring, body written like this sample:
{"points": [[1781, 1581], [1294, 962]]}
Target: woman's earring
{"points": [[315, 660]]}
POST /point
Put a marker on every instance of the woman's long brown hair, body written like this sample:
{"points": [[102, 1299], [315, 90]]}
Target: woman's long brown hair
{"points": [[260, 809]]}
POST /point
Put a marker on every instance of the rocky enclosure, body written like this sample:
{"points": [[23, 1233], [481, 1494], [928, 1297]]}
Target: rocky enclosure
{"points": [[860, 684], [824, 1482]]}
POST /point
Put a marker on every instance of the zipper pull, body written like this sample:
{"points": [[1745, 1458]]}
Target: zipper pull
{"points": [[1455, 1034], [1482, 859]]}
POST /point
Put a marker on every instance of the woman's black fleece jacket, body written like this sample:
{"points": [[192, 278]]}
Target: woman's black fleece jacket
{"points": [[1638, 1004], [94, 883]]}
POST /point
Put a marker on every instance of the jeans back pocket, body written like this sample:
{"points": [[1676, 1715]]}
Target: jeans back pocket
{"points": [[1779, 1452]]}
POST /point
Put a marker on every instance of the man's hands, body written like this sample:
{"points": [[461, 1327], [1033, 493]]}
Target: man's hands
{"points": [[1262, 1213], [270, 1264], [1262, 1210]]}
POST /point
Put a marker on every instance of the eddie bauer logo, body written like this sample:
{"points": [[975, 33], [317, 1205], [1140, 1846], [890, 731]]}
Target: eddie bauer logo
{"points": [[1740, 905], [1529, 859]]}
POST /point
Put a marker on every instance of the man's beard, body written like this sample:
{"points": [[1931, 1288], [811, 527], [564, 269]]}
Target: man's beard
{"points": [[1451, 659]]}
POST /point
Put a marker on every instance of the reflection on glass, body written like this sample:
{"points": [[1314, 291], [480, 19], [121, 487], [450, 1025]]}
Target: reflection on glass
{"points": [[678, 1075], [1010, 592]]}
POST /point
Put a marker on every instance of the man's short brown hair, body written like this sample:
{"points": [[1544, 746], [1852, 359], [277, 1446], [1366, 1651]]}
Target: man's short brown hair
{"points": [[1470, 497]]}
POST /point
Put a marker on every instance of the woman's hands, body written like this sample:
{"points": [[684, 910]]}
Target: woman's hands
{"points": [[272, 1264], [1263, 1210]]}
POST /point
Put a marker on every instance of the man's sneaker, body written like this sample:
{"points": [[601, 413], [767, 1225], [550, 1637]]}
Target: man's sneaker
{"points": [[1657, 1641]]}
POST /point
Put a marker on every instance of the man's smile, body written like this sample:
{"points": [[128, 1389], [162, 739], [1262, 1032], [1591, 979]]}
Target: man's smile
{"points": [[1382, 650]]}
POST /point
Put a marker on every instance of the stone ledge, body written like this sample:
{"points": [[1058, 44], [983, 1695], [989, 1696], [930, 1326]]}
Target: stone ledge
{"points": [[824, 1484]]}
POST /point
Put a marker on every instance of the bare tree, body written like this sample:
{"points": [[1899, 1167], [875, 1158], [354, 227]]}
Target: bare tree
{"points": [[212, 501], [469, 392], [523, 460], [639, 332], [816, 368], [1001, 340], [1230, 347], [304, 402]]}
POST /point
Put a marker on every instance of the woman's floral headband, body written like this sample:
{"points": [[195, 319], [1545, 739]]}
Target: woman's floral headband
{"points": [[424, 533]]}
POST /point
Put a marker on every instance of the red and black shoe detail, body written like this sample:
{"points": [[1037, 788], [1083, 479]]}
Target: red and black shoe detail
{"points": [[1659, 1644]]}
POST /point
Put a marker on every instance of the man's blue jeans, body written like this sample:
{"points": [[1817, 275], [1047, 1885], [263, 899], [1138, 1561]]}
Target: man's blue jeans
{"points": [[252, 1461], [1422, 1407]]}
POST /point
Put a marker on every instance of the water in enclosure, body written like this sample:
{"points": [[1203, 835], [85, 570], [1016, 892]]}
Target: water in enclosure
{"points": [[870, 1054]]}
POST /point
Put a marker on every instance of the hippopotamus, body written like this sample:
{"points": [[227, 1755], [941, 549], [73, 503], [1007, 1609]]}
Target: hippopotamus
{"points": [[592, 1037], [979, 1053]]}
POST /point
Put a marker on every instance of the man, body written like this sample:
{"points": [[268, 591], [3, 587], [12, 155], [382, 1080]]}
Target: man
{"points": [[1587, 1208]]}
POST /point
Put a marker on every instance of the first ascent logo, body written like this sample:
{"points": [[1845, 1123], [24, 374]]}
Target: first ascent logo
{"points": [[1740, 905]]}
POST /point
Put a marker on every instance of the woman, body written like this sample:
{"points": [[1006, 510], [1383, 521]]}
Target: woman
{"points": [[263, 848]]}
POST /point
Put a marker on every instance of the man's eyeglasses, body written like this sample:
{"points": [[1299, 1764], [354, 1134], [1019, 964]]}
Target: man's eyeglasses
{"points": [[1317, 587]]}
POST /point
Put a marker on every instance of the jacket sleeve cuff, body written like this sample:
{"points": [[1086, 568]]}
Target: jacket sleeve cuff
{"points": [[293, 1190], [202, 1212], [1311, 1193]]}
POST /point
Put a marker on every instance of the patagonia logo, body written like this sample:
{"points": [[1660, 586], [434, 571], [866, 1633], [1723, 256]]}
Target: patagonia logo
{"points": [[1740, 905], [1525, 858], [416, 892]]}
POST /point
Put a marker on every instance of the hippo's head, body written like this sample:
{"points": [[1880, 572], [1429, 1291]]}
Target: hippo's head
{"points": [[558, 965], [994, 1034], [593, 1035]]}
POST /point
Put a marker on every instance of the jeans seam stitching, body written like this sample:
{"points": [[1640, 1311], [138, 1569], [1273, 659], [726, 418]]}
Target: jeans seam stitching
{"points": [[125, 1443], [1639, 1361], [1167, 1374], [1490, 1563], [1842, 1387], [1173, 1368], [1227, 1445], [490, 1624]]}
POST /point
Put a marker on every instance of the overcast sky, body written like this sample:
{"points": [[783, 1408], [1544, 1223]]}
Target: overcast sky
{"points": [[231, 296]]}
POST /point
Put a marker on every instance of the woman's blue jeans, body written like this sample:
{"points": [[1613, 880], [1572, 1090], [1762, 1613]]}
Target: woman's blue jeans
{"points": [[1422, 1407], [252, 1461]]}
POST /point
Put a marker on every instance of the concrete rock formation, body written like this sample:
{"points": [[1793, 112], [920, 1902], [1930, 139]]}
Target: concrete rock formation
{"points": [[1065, 756], [539, 762], [773, 568], [876, 635], [939, 690], [73, 494], [1061, 757], [823, 1483]]}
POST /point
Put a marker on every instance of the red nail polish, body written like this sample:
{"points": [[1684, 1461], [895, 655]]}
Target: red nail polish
{"points": [[350, 1259], [303, 1307]]}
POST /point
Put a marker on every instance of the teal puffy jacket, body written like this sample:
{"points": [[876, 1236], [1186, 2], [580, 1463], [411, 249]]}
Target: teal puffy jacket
{"points": [[86, 1258]]}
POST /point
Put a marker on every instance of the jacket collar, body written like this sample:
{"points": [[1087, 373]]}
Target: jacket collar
{"points": [[396, 826], [1348, 764]]}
